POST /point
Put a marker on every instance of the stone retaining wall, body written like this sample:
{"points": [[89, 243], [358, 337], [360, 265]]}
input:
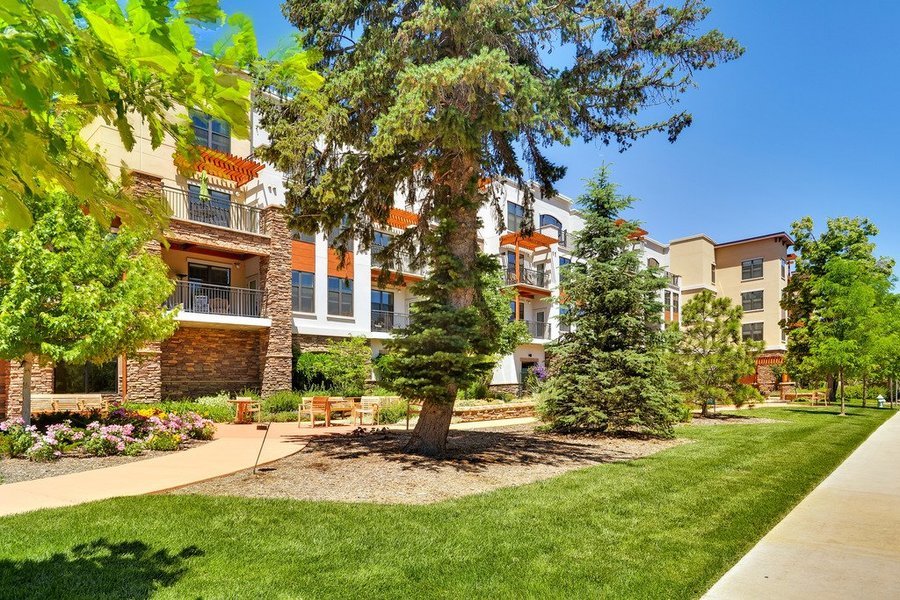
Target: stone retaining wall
{"points": [[490, 412]]}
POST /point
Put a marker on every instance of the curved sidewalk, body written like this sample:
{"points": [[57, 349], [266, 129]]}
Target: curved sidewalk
{"points": [[234, 449], [841, 541]]}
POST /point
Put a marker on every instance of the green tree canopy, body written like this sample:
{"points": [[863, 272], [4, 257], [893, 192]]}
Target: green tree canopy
{"points": [[712, 357], [610, 372], [71, 290], [848, 239], [66, 63], [433, 99]]}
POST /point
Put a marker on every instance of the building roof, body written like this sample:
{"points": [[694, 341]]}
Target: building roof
{"points": [[781, 236]]}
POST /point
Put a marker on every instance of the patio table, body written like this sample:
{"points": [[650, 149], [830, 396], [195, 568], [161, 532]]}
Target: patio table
{"points": [[240, 409], [339, 404]]}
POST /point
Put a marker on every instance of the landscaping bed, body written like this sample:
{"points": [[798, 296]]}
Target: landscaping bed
{"points": [[370, 466]]}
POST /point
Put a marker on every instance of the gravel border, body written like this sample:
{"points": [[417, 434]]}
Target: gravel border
{"points": [[372, 467], [13, 470]]}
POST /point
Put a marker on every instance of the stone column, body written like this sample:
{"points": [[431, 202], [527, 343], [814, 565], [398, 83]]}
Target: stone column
{"points": [[275, 275], [4, 387], [143, 380], [41, 383]]}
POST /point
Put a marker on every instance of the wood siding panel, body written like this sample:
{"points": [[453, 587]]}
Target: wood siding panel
{"points": [[334, 260], [303, 256]]}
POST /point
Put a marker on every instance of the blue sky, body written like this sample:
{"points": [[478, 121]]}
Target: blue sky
{"points": [[805, 123]]}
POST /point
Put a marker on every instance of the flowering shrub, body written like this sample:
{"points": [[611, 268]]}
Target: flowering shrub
{"points": [[106, 440], [123, 432]]}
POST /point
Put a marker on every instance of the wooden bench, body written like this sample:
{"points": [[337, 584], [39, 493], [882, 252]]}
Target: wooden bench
{"points": [[76, 403]]}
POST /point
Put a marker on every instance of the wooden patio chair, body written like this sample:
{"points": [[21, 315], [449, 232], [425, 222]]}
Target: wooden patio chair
{"points": [[253, 407], [303, 408], [41, 403], [67, 403], [368, 405], [318, 405]]}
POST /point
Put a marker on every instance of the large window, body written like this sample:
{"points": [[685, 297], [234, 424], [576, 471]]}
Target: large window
{"points": [[382, 301], [211, 132], [563, 261], [512, 310], [515, 214], [752, 300], [85, 379], [215, 209], [340, 297], [303, 298], [652, 263], [783, 269], [309, 238], [551, 221], [209, 274], [752, 331], [752, 269]]}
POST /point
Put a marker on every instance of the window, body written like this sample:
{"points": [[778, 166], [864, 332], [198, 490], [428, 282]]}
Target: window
{"points": [[215, 209], [752, 269], [515, 214], [382, 301], [209, 274], [551, 221], [563, 261], [211, 132], [783, 269], [652, 263], [512, 310], [309, 238], [676, 300], [667, 299], [340, 297], [303, 298], [335, 232], [752, 300], [752, 331], [712, 273], [85, 379]]}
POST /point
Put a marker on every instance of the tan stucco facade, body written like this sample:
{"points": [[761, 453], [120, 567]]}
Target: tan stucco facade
{"points": [[705, 264]]}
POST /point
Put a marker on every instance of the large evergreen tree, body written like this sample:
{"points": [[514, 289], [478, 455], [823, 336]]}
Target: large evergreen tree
{"points": [[434, 99], [610, 372], [71, 290]]}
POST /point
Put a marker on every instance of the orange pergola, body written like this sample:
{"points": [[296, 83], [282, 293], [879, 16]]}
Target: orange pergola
{"points": [[402, 219], [227, 166], [532, 242]]}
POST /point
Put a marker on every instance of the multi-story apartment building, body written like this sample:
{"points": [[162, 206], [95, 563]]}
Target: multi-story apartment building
{"points": [[658, 255], [752, 272]]}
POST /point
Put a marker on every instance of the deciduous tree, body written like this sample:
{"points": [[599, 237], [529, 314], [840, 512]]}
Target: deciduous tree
{"points": [[610, 372], [433, 99], [71, 290]]}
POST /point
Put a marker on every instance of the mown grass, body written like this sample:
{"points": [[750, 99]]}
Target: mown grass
{"points": [[666, 526]]}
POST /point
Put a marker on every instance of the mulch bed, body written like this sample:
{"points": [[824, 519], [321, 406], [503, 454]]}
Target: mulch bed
{"points": [[371, 466], [22, 469]]}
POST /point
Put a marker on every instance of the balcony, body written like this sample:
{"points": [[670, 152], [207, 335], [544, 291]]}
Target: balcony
{"points": [[539, 330], [672, 280], [213, 211], [209, 299], [560, 235], [402, 263], [386, 321], [532, 277]]}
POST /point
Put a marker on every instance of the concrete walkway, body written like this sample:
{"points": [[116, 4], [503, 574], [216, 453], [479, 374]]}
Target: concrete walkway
{"points": [[841, 541], [234, 449]]}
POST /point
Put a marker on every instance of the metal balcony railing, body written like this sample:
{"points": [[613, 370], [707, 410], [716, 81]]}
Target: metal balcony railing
{"points": [[213, 211], [539, 330], [385, 320], [402, 263], [673, 280], [530, 277], [206, 298], [561, 235]]}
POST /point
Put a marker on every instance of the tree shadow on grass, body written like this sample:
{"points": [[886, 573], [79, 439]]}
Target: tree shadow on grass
{"points": [[823, 411], [97, 569], [476, 451]]}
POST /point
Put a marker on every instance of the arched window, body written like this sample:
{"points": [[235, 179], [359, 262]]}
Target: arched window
{"points": [[550, 220], [652, 263]]}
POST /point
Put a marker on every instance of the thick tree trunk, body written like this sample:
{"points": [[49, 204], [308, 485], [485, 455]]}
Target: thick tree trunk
{"points": [[430, 434], [26, 388]]}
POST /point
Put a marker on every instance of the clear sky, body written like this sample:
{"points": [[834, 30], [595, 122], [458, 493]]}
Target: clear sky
{"points": [[805, 123]]}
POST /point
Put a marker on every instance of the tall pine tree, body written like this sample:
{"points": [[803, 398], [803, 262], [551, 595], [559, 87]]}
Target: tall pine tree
{"points": [[610, 372], [431, 98]]}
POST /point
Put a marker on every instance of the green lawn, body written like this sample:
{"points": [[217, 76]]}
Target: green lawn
{"points": [[666, 527]]}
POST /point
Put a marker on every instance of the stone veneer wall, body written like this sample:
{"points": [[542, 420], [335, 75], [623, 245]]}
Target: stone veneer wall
{"points": [[512, 410], [304, 342], [275, 272], [228, 240], [41, 383], [765, 380], [4, 387], [198, 361]]}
